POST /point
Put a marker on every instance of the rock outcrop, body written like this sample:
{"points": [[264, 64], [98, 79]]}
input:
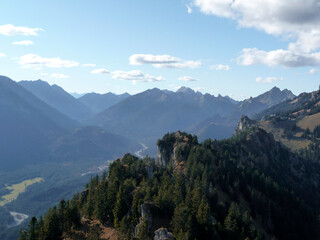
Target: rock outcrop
{"points": [[145, 216], [163, 234], [244, 123], [174, 148]]}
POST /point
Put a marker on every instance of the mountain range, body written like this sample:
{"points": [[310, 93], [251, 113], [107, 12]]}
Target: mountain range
{"points": [[58, 98], [262, 183], [223, 126], [33, 131], [152, 113], [99, 102], [37, 116], [45, 132]]}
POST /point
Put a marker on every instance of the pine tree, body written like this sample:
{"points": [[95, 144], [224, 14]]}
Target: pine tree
{"points": [[203, 213], [119, 208]]}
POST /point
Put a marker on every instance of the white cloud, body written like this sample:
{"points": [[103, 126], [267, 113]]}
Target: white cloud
{"points": [[135, 76], [59, 75], [162, 61], [34, 61], [88, 65], [268, 79], [189, 9], [139, 59], [297, 21], [186, 64], [285, 58], [220, 8], [187, 79], [220, 67], [2, 55], [11, 30], [44, 74], [313, 71], [24, 42], [101, 71]]}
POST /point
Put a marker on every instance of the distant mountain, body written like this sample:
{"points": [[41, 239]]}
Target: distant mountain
{"points": [[285, 107], [295, 123], [27, 125], [33, 132], [155, 112], [215, 127], [232, 100], [99, 102], [77, 95], [58, 98], [90, 144], [223, 127], [36, 140], [266, 100]]}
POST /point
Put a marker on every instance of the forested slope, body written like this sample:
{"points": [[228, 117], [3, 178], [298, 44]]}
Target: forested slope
{"points": [[246, 187]]}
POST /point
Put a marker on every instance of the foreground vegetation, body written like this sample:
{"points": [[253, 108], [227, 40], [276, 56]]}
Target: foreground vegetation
{"points": [[247, 187]]}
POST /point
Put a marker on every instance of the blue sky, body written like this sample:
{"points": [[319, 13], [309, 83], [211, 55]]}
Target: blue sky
{"points": [[231, 47]]}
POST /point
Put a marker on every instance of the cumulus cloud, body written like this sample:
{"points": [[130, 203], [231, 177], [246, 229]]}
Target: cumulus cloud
{"points": [[135, 76], [24, 42], [268, 79], [220, 67], [88, 65], [162, 61], [2, 55], [11, 30], [35, 61], [297, 21], [59, 75], [313, 71], [101, 71], [44, 74], [285, 58], [221, 8], [187, 79]]}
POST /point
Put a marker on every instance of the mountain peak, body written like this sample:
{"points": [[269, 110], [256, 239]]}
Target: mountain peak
{"points": [[275, 89], [185, 90]]}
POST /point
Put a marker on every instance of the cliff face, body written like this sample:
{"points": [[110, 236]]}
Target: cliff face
{"points": [[244, 123], [174, 149]]}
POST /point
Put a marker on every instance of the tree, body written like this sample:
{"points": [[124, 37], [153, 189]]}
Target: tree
{"points": [[203, 213], [52, 226], [142, 231], [120, 208], [182, 221], [233, 219], [33, 235]]}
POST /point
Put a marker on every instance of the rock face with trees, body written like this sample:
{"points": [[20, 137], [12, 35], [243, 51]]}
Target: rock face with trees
{"points": [[246, 187]]}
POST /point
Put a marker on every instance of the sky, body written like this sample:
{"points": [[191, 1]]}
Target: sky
{"points": [[228, 47]]}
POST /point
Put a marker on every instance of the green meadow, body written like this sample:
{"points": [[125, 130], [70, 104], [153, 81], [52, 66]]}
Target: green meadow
{"points": [[16, 189]]}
